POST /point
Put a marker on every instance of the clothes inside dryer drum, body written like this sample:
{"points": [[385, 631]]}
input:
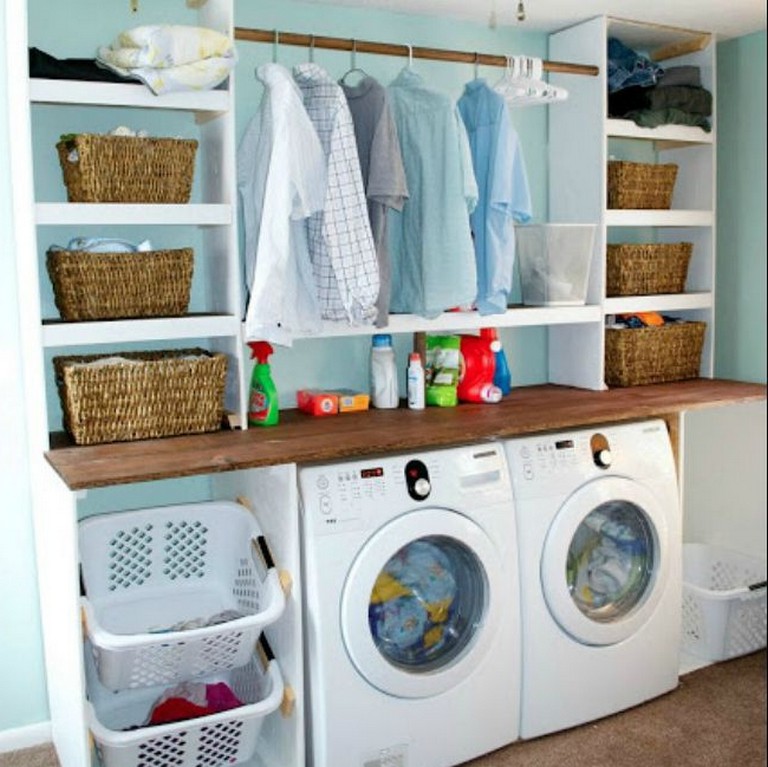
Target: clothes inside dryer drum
{"points": [[611, 561], [427, 603]]}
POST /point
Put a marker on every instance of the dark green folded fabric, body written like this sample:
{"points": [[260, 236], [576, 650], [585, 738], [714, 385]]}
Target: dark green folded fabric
{"points": [[689, 99], [652, 118]]}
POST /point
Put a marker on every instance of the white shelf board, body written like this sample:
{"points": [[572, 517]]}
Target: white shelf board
{"points": [[83, 213], [525, 316], [615, 217], [674, 134], [43, 91], [58, 334], [657, 303]]}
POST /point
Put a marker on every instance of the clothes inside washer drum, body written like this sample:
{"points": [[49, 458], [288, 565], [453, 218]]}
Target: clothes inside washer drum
{"points": [[412, 613]]}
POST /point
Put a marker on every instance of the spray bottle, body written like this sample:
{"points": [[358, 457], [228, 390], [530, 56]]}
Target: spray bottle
{"points": [[262, 400]]}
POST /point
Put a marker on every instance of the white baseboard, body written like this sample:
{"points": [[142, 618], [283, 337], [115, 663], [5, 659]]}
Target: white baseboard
{"points": [[25, 737]]}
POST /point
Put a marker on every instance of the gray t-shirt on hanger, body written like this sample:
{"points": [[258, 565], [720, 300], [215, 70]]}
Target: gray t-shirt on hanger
{"points": [[382, 167]]}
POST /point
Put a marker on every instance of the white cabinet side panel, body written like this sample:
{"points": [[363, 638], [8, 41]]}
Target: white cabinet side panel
{"points": [[55, 519], [272, 493], [724, 478], [576, 144]]}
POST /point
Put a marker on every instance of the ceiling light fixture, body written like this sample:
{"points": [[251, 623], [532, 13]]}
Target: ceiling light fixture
{"points": [[492, 18], [520, 11]]}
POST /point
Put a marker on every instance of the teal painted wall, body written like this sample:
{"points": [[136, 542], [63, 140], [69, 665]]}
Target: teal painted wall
{"points": [[22, 685], [740, 298], [22, 678]]}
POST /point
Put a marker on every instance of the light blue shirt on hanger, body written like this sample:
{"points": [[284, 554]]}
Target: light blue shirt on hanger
{"points": [[433, 261], [504, 197]]}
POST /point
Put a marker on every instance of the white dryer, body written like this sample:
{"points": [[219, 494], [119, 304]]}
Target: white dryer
{"points": [[412, 608], [599, 535]]}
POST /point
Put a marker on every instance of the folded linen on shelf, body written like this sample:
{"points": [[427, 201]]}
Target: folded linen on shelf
{"points": [[171, 57]]}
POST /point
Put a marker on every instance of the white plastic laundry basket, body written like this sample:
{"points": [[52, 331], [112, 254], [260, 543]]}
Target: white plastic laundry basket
{"points": [[157, 580], [724, 602], [229, 737]]}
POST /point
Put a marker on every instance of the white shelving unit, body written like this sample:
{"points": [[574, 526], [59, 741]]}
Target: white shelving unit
{"points": [[209, 223], [582, 138], [212, 212]]}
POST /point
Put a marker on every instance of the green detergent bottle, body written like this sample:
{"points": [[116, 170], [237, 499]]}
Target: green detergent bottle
{"points": [[262, 400]]}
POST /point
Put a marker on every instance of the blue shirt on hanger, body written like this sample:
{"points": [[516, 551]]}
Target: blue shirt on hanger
{"points": [[503, 194], [433, 261]]}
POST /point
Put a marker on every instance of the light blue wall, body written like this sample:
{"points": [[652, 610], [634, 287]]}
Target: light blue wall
{"points": [[22, 691], [740, 335], [22, 680]]}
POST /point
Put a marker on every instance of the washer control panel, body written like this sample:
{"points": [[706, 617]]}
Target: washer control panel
{"points": [[358, 495]]}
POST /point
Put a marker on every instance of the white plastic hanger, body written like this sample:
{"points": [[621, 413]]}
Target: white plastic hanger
{"points": [[522, 83], [353, 68]]}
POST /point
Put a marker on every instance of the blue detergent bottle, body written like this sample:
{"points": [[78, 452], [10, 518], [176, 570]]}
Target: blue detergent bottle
{"points": [[502, 377]]}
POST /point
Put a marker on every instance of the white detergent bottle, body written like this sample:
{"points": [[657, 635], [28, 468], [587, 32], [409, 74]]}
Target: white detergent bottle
{"points": [[384, 388], [415, 382]]}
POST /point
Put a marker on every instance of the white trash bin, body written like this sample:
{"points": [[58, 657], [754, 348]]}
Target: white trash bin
{"points": [[554, 263]]}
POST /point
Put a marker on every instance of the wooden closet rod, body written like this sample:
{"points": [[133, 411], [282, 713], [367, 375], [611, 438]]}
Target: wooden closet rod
{"points": [[391, 49]]}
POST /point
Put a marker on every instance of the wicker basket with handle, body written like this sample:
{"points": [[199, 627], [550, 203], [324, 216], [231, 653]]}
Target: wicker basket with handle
{"points": [[100, 286], [647, 269], [659, 354], [141, 395], [127, 169], [637, 185]]}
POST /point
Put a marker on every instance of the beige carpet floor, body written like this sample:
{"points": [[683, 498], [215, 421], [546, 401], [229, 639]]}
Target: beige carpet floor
{"points": [[715, 718]]}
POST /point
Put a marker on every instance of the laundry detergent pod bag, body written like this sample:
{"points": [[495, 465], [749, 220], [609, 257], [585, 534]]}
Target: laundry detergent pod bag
{"points": [[443, 361]]}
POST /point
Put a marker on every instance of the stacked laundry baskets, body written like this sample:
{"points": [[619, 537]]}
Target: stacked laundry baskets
{"points": [[175, 601]]}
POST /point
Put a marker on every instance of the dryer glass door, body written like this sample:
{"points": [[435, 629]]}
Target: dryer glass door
{"points": [[605, 560], [421, 603], [610, 561]]}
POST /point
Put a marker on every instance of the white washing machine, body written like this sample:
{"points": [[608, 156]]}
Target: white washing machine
{"points": [[412, 608], [599, 535]]}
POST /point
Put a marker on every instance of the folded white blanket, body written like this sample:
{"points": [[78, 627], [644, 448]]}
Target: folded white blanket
{"points": [[171, 57]]}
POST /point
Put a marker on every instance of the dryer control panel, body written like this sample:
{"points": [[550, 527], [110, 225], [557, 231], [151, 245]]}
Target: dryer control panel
{"points": [[358, 495], [550, 464]]}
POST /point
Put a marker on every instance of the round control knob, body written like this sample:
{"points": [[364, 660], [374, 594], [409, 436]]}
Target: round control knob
{"points": [[422, 487], [603, 458]]}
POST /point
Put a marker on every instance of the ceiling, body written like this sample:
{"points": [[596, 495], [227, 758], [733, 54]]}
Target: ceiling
{"points": [[725, 18]]}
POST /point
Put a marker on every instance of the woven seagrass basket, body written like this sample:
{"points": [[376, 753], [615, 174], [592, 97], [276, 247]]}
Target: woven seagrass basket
{"points": [[647, 269], [127, 169], [140, 395], [635, 356], [637, 185], [101, 286]]}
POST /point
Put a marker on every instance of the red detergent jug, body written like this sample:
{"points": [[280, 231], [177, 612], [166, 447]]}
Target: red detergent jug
{"points": [[478, 364]]}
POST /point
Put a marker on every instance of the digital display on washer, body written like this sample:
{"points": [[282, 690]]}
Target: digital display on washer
{"points": [[563, 444], [377, 471]]}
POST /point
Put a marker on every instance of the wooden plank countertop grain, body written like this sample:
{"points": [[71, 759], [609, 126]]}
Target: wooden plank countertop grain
{"points": [[303, 439]]}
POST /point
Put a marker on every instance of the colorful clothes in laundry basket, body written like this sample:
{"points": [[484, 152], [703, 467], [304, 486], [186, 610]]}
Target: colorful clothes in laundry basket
{"points": [[411, 612]]}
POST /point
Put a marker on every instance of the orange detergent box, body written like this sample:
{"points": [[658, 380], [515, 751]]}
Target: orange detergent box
{"points": [[351, 401], [317, 402]]}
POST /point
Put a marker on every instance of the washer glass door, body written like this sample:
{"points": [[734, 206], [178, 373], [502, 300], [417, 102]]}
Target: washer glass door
{"points": [[418, 609], [604, 563]]}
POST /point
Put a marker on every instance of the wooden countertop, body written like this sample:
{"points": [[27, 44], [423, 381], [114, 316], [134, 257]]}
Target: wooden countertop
{"points": [[300, 438]]}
